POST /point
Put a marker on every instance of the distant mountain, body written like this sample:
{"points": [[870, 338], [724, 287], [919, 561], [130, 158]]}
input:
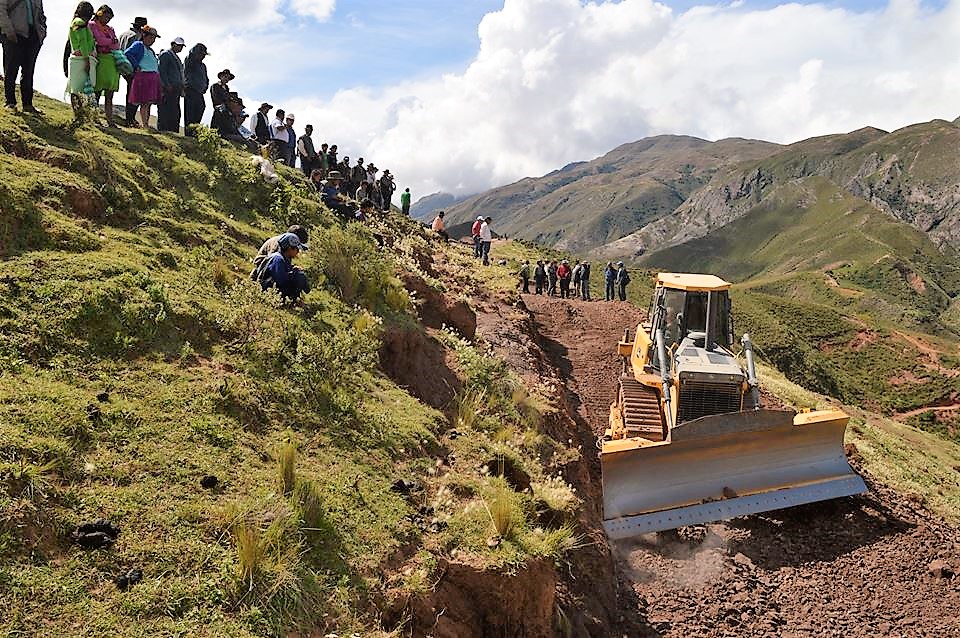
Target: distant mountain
{"points": [[586, 205], [426, 207]]}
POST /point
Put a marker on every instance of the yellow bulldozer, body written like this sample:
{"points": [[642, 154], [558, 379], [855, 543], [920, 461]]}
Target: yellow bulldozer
{"points": [[689, 441]]}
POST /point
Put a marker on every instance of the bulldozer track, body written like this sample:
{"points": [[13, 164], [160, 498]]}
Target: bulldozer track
{"points": [[641, 409]]}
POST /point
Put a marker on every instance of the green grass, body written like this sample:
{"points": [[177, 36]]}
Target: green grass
{"points": [[125, 271]]}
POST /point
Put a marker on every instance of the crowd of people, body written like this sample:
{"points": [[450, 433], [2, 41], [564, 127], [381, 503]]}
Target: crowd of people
{"points": [[558, 278], [95, 59]]}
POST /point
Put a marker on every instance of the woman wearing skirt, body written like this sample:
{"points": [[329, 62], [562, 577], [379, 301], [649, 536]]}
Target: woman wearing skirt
{"points": [[107, 76], [82, 63], [146, 90]]}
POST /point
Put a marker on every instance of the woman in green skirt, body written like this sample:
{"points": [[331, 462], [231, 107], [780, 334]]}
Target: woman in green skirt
{"points": [[82, 64], [108, 78]]}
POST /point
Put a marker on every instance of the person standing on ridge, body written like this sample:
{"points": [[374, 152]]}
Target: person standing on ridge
{"points": [[127, 38], [107, 80], [261, 126], [475, 233], [196, 83], [563, 276], [172, 82], [145, 91], [585, 281], [609, 278], [486, 239], [358, 175], [290, 153], [405, 202], [552, 275], [623, 278], [387, 189], [539, 277], [82, 59], [524, 274], [577, 272], [23, 28], [279, 136], [306, 151]]}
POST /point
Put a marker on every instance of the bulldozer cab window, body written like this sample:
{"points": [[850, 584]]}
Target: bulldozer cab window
{"points": [[682, 312], [695, 315], [673, 306]]}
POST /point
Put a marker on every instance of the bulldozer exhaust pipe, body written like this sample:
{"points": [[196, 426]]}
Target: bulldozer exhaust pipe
{"points": [[665, 380], [751, 370]]}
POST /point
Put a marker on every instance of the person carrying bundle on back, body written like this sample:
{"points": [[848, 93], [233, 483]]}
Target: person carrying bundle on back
{"points": [[524, 274]]}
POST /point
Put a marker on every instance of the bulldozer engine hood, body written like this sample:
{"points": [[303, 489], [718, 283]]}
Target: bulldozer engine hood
{"points": [[693, 362]]}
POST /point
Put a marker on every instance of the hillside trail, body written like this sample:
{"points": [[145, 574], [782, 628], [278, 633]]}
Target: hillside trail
{"points": [[850, 567]]}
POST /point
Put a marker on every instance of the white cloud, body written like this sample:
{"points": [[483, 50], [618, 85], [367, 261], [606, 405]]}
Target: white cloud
{"points": [[317, 9], [556, 81]]}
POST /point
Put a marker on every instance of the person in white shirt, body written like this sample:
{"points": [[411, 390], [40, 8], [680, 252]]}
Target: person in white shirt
{"points": [[279, 136], [486, 238]]}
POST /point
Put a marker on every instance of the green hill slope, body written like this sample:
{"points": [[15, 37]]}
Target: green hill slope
{"points": [[136, 358], [588, 204]]}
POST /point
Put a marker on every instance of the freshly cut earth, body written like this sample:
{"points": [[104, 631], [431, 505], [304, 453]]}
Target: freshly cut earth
{"points": [[863, 566]]}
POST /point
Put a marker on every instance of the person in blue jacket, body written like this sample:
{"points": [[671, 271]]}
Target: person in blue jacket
{"points": [[609, 278], [278, 271]]}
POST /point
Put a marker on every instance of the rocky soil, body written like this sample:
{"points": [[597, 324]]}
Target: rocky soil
{"points": [[877, 565]]}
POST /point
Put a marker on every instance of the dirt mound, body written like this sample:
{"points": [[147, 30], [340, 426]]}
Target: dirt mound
{"points": [[468, 602], [851, 567], [417, 362], [437, 309]]}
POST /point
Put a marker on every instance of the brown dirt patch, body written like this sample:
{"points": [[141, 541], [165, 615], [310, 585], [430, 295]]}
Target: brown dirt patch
{"points": [[419, 363]]}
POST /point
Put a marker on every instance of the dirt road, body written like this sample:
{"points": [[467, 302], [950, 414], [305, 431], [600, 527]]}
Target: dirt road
{"points": [[852, 567]]}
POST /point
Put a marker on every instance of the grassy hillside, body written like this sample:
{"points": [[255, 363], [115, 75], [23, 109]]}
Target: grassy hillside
{"points": [[136, 359]]}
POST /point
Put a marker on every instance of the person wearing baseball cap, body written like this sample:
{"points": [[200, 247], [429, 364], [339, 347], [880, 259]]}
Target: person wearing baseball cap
{"points": [[475, 233], [277, 270], [290, 152], [172, 84]]}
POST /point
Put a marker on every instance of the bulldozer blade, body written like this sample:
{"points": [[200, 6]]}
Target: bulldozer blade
{"points": [[724, 466]]}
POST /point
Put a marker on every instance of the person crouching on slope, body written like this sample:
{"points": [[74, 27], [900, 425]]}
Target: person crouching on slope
{"points": [[272, 245], [438, 226], [278, 271]]}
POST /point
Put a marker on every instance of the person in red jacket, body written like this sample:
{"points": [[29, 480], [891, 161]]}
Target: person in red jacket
{"points": [[475, 231], [563, 274]]}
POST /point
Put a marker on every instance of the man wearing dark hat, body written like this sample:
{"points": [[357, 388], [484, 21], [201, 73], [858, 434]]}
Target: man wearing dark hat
{"points": [[195, 87], [226, 121], [220, 91], [23, 27], [127, 38], [261, 127], [172, 81]]}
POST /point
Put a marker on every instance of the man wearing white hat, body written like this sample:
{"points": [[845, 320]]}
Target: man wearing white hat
{"points": [[172, 82]]}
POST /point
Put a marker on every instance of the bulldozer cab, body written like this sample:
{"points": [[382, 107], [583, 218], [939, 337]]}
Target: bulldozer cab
{"points": [[681, 305]]}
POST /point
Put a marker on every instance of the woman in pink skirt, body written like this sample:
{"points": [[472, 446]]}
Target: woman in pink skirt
{"points": [[146, 89]]}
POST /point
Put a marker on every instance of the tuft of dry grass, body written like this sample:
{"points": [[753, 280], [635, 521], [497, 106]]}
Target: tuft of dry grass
{"points": [[250, 549], [503, 512], [470, 405], [288, 467]]}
